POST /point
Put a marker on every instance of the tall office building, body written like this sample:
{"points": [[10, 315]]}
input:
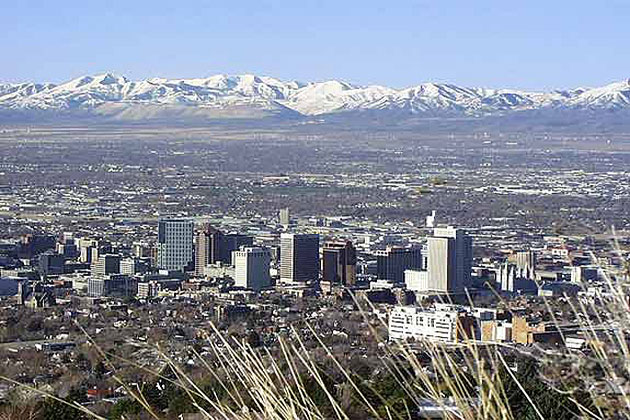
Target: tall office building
{"points": [[132, 266], [51, 263], [68, 246], [339, 263], [299, 258], [141, 249], [393, 261], [507, 277], [430, 220], [175, 243], [284, 216], [449, 259], [212, 246], [99, 248], [441, 264], [31, 245], [526, 264], [232, 242], [205, 248], [106, 264], [252, 267], [86, 253]]}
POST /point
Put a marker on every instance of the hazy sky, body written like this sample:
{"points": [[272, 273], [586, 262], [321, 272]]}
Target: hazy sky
{"points": [[521, 44]]}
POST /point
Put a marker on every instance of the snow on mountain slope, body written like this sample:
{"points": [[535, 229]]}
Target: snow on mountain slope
{"points": [[612, 96], [108, 94], [334, 96], [216, 92], [18, 91]]}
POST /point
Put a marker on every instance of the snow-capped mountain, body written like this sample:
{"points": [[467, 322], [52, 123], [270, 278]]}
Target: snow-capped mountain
{"points": [[612, 96], [250, 95]]}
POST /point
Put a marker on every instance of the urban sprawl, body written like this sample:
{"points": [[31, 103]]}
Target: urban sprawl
{"points": [[92, 265]]}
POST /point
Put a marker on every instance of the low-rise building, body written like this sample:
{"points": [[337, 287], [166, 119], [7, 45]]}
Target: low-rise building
{"points": [[117, 285], [448, 324]]}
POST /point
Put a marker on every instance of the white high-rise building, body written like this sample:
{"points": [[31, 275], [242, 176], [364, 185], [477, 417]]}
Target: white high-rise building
{"points": [[106, 264], [507, 277], [284, 217], [449, 260], [252, 267], [175, 243], [416, 280], [441, 264], [299, 258], [526, 264], [128, 266]]}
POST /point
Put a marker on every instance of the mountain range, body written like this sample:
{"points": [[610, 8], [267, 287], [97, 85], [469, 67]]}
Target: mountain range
{"points": [[248, 96]]}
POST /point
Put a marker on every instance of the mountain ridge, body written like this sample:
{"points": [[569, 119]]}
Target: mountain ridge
{"points": [[220, 96]]}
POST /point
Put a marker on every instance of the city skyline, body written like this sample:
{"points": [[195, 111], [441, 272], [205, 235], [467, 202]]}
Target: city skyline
{"points": [[314, 210]]}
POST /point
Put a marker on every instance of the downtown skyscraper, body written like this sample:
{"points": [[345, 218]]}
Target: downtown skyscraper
{"points": [[449, 260], [299, 258], [339, 263], [175, 243], [213, 246], [251, 267], [392, 262]]}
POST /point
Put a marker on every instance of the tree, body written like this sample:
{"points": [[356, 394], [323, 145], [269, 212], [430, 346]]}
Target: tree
{"points": [[123, 408], [549, 402], [253, 339], [54, 409], [99, 370]]}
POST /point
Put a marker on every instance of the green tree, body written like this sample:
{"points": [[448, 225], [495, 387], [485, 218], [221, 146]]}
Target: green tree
{"points": [[549, 402], [123, 408], [53, 409]]}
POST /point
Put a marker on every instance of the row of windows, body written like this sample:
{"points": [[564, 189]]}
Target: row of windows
{"points": [[420, 321]]}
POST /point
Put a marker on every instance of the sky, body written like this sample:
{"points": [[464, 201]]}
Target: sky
{"points": [[535, 45]]}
